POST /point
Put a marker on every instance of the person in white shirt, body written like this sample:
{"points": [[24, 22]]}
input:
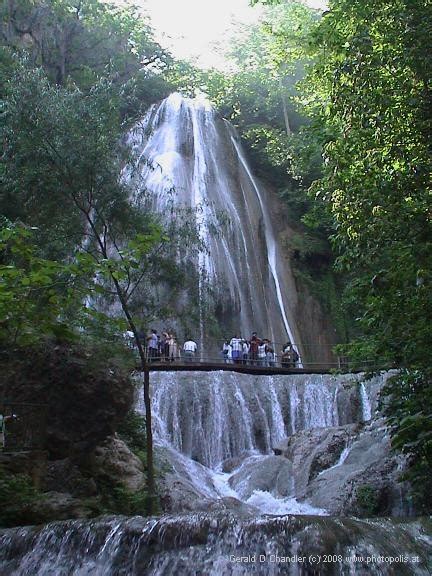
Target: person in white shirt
{"points": [[172, 348], [237, 349], [262, 353], [130, 338], [227, 352], [245, 351], [189, 348]]}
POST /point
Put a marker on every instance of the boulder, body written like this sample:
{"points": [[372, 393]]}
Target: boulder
{"points": [[312, 451], [347, 470], [266, 473], [184, 486], [114, 461], [230, 464], [366, 483]]}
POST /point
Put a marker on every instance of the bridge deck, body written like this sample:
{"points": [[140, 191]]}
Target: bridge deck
{"points": [[241, 368]]}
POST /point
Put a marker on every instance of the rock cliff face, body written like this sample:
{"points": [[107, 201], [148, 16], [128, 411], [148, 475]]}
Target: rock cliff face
{"points": [[67, 408], [83, 402]]}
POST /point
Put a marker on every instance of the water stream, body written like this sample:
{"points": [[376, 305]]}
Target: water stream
{"points": [[187, 156], [220, 430], [254, 467]]}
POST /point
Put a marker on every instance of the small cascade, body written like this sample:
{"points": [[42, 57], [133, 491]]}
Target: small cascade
{"points": [[343, 456], [213, 416], [365, 402], [217, 545]]}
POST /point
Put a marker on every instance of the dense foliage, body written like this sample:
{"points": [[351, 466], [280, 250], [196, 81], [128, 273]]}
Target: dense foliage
{"points": [[371, 87], [368, 95], [75, 75], [373, 77]]}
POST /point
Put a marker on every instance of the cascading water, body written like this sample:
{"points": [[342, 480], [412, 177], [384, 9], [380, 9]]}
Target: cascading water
{"points": [[252, 464], [189, 157], [218, 545], [211, 417], [215, 419], [221, 429]]}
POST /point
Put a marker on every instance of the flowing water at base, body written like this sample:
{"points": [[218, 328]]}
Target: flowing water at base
{"points": [[218, 545], [208, 422], [218, 432]]}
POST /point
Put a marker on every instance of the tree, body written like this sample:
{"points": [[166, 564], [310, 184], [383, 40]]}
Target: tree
{"points": [[62, 158], [369, 98], [82, 40], [38, 297], [373, 95]]}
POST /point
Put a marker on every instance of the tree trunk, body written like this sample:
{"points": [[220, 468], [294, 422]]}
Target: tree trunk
{"points": [[144, 367], [147, 400], [285, 109], [149, 442]]}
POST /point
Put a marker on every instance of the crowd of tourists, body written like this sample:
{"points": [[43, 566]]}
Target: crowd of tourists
{"points": [[164, 347], [258, 352], [254, 351]]}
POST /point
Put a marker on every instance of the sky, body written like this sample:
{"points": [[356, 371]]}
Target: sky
{"points": [[191, 28]]}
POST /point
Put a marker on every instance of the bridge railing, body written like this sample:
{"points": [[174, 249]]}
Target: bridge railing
{"points": [[340, 364]]}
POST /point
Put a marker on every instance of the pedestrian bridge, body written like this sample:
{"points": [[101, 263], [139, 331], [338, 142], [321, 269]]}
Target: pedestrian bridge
{"points": [[209, 365]]}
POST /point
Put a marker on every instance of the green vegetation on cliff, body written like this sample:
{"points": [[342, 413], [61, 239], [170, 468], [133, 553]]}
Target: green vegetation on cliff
{"points": [[367, 93], [74, 78]]}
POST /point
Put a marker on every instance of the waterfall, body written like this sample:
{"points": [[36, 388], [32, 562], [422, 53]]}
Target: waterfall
{"points": [[213, 416], [222, 428], [218, 430], [187, 156]]}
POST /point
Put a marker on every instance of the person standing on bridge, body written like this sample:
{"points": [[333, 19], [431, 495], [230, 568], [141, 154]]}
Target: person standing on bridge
{"points": [[164, 346], [262, 353], [237, 349], [245, 346], [152, 345], [189, 348], [172, 347], [253, 348], [227, 352], [270, 355], [290, 356]]}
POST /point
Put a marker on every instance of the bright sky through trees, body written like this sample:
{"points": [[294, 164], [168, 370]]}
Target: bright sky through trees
{"points": [[192, 28]]}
